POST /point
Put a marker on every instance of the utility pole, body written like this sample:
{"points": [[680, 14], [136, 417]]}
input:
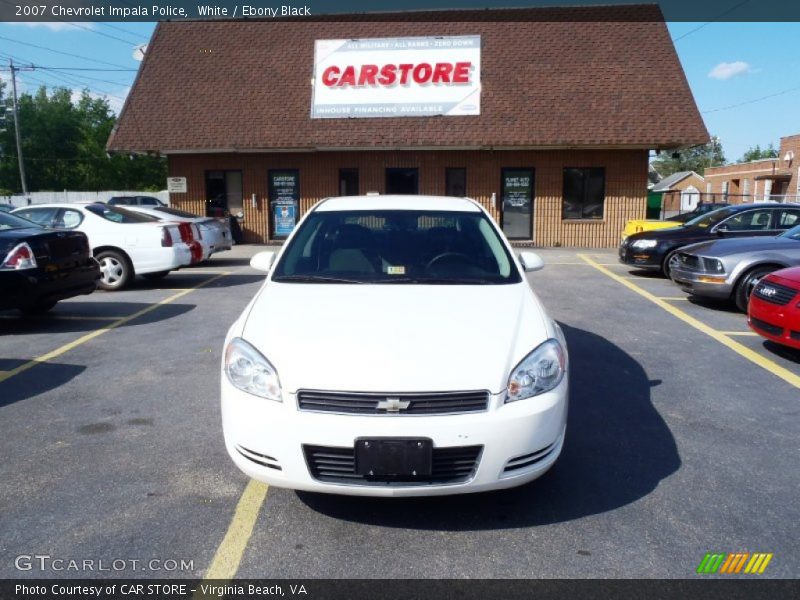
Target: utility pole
{"points": [[16, 129]]}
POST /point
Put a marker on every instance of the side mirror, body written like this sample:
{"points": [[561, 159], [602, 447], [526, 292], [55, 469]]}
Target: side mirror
{"points": [[262, 261], [531, 261], [720, 229]]}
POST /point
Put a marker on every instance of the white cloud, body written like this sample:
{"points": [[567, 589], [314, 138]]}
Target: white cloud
{"points": [[725, 70], [51, 25], [115, 101]]}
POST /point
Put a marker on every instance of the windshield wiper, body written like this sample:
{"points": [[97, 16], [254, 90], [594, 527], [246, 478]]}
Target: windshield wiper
{"points": [[440, 280], [314, 279]]}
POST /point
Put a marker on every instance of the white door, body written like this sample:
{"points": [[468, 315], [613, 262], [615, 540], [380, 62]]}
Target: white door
{"points": [[690, 197]]}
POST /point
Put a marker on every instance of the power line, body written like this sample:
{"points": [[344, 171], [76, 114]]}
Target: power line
{"points": [[122, 29], [753, 101], [95, 60], [107, 35], [714, 20], [83, 69]]}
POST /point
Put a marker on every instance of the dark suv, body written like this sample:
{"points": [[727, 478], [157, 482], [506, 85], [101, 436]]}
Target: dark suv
{"points": [[135, 201]]}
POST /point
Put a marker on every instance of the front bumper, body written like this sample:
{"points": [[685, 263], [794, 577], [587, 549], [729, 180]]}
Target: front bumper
{"points": [[265, 440], [641, 259], [692, 282], [781, 324]]}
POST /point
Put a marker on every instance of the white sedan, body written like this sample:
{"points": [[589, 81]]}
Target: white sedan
{"points": [[123, 242], [395, 349], [214, 234]]}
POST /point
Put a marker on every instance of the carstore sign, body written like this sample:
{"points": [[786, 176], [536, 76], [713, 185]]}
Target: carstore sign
{"points": [[397, 77]]}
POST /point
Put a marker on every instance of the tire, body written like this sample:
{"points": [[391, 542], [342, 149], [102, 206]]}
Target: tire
{"points": [[115, 270], [746, 283], [38, 309], [665, 265], [155, 276]]}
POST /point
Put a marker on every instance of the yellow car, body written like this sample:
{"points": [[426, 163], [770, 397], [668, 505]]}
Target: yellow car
{"points": [[639, 225]]}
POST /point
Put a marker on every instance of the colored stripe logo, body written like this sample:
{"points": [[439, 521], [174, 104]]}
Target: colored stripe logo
{"points": [[734, 563]]}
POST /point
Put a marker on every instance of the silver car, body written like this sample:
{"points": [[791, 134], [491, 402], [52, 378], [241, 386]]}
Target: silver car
{"points": [[731, 268]]}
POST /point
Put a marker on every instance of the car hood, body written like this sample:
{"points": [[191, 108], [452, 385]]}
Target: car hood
{"points": [[395, 337], [729, 247]]}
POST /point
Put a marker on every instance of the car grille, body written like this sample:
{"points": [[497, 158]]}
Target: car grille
{"points": [[768, 327], [338, 465], [795, 335], [774, 293], [404, 404]]}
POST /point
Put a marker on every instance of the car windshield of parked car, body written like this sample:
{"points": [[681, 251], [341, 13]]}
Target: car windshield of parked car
{"points": [[792, 234], [400, 246], [710, 219], [175, 212], [119, 215], [8, 221]]}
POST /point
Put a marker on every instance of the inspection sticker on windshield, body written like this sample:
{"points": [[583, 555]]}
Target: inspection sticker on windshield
{"points": [[395, 270]]}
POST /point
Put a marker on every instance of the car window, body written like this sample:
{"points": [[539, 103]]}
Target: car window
{"points": [[148, 201], [40, 216], [70, 219], [117, 214], [788, 217], [120, 200], [402, 246], [14, 221], [750, 220], [710, 218]]}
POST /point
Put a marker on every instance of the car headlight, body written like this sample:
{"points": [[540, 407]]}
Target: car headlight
{"points": [[539, 372], [249, 371], [642, 244], [712, 265]]}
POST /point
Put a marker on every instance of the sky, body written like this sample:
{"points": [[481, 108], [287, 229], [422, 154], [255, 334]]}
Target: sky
{"points": [[745, 76]]}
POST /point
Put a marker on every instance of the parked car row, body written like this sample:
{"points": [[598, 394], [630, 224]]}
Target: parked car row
{"points": [[742, 254], [50, 252], [640, 225]]}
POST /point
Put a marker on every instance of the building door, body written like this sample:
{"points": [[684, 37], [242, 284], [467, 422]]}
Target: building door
{"points": [[402, 181], [516, 208]]}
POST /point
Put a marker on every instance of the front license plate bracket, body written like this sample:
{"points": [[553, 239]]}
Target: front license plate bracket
{"points": [[394, 458]]}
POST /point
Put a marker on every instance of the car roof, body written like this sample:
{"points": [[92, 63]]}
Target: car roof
{"points": [[398, 202], [738, 207]]}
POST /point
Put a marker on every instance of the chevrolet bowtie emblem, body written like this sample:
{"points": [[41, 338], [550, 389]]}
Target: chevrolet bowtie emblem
{"points": [[393, 405]]}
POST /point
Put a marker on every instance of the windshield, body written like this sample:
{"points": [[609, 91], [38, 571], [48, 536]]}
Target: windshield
{"points": [[792, 234], [175, 212], [711, 218], [119, 215], [8, 221], [402, 246]]}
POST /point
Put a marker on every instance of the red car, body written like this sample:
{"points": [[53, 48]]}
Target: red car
{"points": [[774, 310]]}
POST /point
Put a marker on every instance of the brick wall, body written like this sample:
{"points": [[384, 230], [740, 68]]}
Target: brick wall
{"points": [[625, 197], [671, 200]]}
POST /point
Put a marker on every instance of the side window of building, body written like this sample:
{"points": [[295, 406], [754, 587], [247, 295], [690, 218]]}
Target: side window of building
{"points": [[455, 182], [788, 218], [751, 220], [348, 182], [584, 193], [42, 216]]}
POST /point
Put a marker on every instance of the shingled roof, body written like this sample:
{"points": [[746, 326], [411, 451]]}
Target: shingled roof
{"points": [[560, 77]]}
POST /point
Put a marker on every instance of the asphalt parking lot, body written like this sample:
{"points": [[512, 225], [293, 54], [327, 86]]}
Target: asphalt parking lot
{"points": [[682, 439]]}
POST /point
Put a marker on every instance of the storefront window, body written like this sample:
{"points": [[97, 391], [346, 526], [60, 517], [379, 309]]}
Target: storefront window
{"points": [[455, 182], [584, 193], [348, 182]]}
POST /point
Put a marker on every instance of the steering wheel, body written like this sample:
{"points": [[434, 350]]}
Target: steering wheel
{"points": [[458, 256]]}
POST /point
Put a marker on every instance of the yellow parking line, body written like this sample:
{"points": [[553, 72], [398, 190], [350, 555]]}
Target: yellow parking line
{"points": [[672, 298], [721, 337], [229, 554], [98, 332], [744, 333]]}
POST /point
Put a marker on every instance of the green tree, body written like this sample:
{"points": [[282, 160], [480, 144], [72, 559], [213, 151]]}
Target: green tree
{"points": [[63, 143], [696, 159], [756, 153]]}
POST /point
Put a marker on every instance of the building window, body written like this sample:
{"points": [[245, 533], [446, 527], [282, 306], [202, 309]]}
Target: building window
{"points": [[584, 193], [223, 193], [455, 182], [348, 182]]}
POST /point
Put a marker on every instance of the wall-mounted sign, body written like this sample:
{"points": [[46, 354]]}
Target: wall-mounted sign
{"points": [[397, 77], [284, 200], [176, 185]]}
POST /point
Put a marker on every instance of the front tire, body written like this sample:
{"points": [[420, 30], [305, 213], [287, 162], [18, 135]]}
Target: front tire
{"points": [[115, 270], [665, 266], [747, 283]]}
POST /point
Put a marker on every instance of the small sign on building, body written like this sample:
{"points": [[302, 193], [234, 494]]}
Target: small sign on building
{"points": [[176, 185]]}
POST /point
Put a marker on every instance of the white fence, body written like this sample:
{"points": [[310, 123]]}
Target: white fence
{"points": [[67, 196]]}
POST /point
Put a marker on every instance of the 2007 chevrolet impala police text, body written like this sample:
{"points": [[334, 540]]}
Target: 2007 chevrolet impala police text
{"points": [[395, 349]]}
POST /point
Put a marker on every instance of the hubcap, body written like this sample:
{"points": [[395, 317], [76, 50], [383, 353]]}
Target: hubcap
{"points": [[112, 270]]}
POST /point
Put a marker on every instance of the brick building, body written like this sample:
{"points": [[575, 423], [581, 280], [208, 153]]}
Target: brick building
{"points": [[680, 192], [776, 179], [560, 108]]}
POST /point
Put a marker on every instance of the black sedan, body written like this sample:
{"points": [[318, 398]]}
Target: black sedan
{"points": [[702, 208], [652, 250], [39, 267]]}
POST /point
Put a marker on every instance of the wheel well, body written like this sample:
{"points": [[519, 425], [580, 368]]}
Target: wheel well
{"points": [[751, 268], [124, 254]]}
